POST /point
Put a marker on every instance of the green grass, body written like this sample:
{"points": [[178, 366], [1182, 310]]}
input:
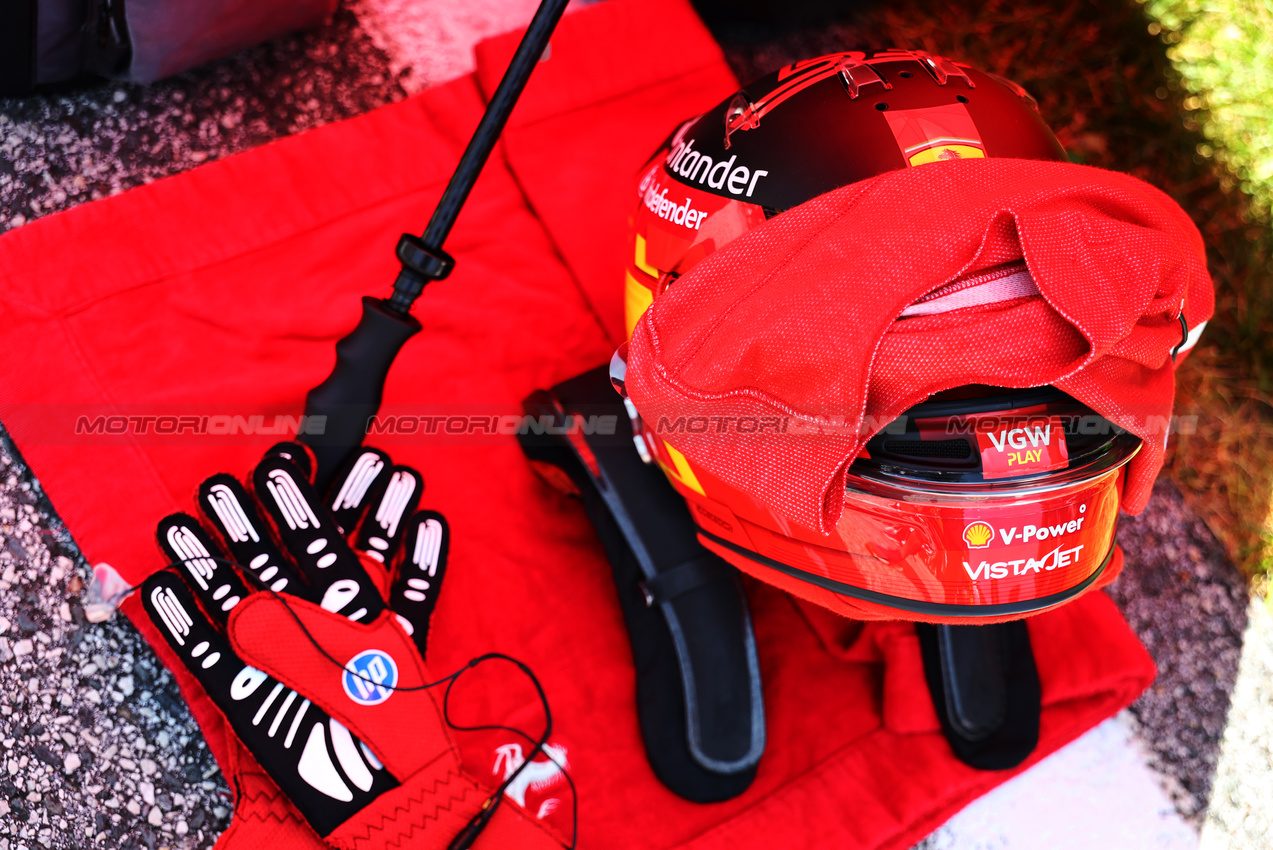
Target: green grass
{"points": [[1223, 52]]}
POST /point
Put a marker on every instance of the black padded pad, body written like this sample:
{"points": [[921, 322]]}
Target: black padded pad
{"points": [[698, 678], [985, 688]]}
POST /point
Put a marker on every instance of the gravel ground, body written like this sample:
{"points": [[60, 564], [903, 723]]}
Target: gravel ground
{"points": [[1188, 604], [98, 749], [57, 151], [428, 40]]}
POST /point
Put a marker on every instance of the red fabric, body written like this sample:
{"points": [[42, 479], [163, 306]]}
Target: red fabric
{"points": [[226, 287], [797, 318]]}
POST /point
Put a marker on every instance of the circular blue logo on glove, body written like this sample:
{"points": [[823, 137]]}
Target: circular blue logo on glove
{"points": [[370, 677]]}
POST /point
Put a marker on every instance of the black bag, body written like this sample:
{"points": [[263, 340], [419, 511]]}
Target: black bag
{"points": [[47, 42]]}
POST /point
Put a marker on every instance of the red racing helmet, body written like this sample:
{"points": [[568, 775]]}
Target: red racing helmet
{"points": [[980, 504]]}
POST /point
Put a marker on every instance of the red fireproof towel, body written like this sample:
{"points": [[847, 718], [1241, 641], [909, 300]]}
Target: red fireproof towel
{"points": [[221, 292], [800, 318]]}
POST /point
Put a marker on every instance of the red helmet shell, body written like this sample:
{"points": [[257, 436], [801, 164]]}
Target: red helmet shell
{"points": [[806, 129], [986, 547]]}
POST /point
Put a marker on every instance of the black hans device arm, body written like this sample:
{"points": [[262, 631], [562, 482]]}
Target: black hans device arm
{"points": [[698, 685], [985, 688]]}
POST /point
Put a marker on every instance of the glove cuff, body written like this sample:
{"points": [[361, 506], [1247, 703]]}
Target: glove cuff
{"points": [[263, 817]]}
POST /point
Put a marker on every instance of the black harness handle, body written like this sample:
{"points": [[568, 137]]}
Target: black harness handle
{"points": [[337, 410]]}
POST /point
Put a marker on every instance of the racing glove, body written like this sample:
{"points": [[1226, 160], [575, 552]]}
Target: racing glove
{"points": [[280, 616]]}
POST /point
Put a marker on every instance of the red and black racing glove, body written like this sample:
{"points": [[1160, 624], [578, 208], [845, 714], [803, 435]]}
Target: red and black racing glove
{"points": [[319, 680]]}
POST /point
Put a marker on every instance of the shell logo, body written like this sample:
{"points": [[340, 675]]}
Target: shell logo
{"points": [[978, 535]]}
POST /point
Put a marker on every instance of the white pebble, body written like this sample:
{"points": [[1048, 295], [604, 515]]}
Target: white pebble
{"points": [[134, 807], [23, 647], [182, 828], [155, 817], [71, 763], [148, 767], [147, 792]]}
